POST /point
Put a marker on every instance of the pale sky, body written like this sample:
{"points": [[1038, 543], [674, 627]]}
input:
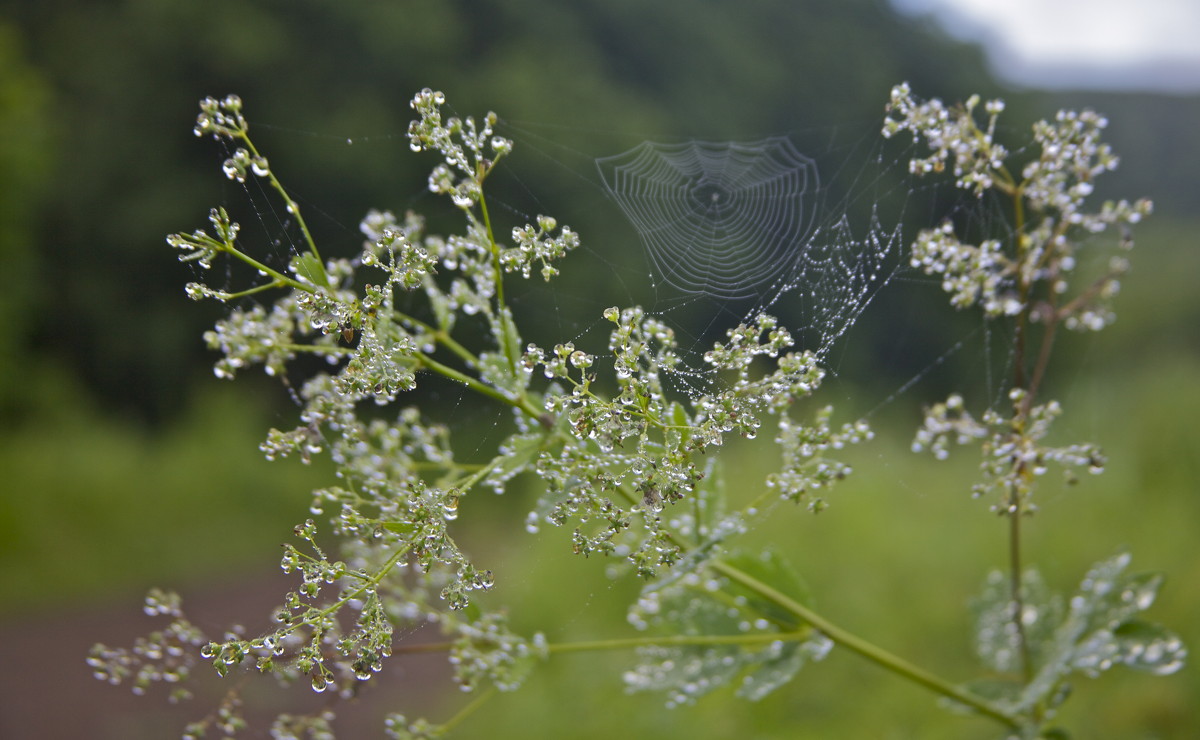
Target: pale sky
{"points": [[1096, 44]]}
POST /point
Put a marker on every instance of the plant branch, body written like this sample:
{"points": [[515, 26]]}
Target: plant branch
{"points": [[278, 277], [1018, 607], [521, 402], [868, 650], [293, 208], [468, 710], [626, 643]]}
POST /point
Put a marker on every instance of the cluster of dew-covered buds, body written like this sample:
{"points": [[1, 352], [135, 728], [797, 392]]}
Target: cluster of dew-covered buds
{"points": [[219, 118], [538, 245], [949, 132], [453, 138], [1049, 198]]}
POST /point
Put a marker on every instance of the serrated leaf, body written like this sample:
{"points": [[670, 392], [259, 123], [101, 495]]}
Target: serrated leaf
{"points": [[495, 370], [1136, 644], [774, 672], [509, 337], [771, 673], [1099, 632], [678, 415]]}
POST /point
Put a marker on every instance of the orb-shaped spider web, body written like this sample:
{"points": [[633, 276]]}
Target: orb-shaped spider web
{"points": [[722, 219]]}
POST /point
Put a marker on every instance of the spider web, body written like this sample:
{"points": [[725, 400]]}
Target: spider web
{"points": [[718, 218], [744, 224], [728, 229]]}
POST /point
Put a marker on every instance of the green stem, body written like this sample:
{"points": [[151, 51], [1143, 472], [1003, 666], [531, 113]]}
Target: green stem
{"points": [[522, 402], [368, 582], [440, 336], [866, 649], [495, 248], [502, 313], [293, 208], [277, 277], [626, 643], [849, 640], [468, 710], [444, 339], [1020, 380], [680, 640], [1018, 607], [317, 349]]}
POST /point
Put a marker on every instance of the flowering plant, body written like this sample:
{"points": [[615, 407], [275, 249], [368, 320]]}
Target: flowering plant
{"points": [[629, 466]]}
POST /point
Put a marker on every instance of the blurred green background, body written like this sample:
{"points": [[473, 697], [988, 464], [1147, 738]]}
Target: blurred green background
{"points": [[126, 464]]}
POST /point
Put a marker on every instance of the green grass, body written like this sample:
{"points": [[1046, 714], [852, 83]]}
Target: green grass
{"points": [[98, 509]]}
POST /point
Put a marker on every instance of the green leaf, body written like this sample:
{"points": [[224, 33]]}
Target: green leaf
{"points": [[1098, 631], [517, 454], [1144, 646], [509, 337], [309, 265], [496, 371], [679, 416], [772, 672]]}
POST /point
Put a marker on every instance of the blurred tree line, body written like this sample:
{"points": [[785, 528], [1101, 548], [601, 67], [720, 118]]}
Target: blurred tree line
{"points": [[97, 98]]}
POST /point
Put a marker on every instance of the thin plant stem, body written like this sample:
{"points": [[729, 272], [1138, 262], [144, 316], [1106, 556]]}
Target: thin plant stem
{"points": [[293, 208], [1018, 601], [626, 643], [868, 650], [1020, 380], [521, 402], [468, 710]]}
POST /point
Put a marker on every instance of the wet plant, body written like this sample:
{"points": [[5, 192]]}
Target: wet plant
{"points": [[624, 443]]}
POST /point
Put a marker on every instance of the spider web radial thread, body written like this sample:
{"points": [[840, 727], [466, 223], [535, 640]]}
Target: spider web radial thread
{"points": [[722, 219]]}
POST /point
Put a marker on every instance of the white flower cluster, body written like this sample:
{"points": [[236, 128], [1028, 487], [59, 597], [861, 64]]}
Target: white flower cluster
{"points": [[949, 132], [613, 447], [453, 138], [1027, 269], [1014, 454], [538, 245], [970, 274], [221, 118]]}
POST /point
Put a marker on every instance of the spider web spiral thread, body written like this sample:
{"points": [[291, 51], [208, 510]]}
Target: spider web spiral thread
{"points": [[722, 219]]}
